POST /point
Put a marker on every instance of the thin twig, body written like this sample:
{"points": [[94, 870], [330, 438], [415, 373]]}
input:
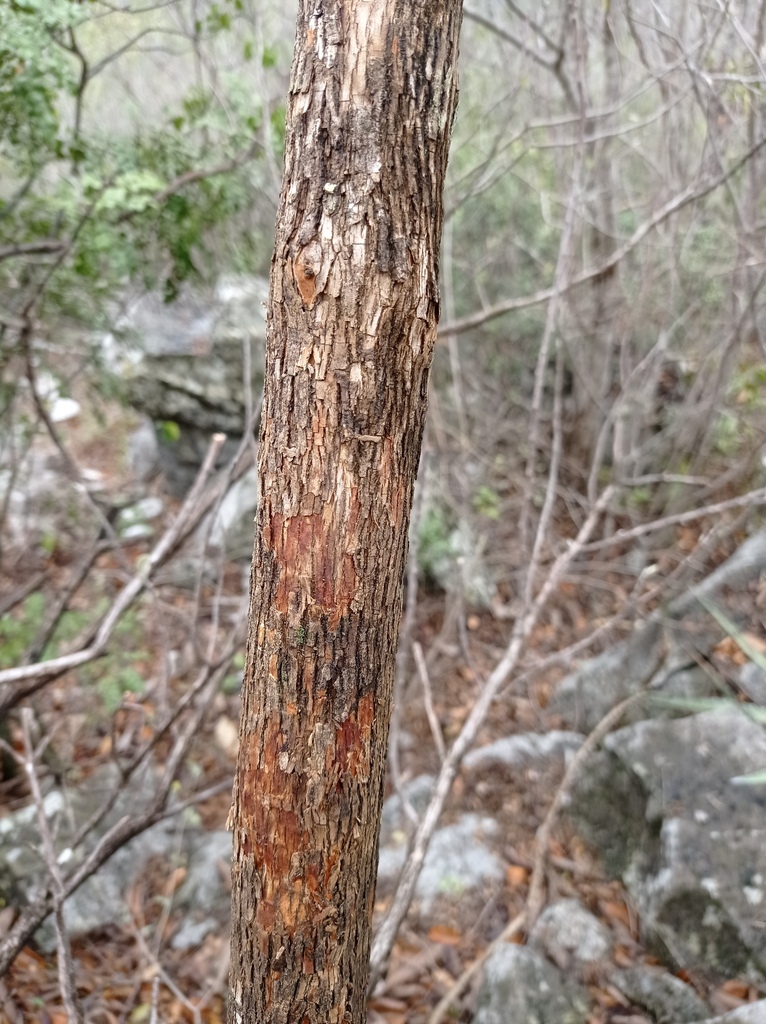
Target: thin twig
{"points": [[66, 969], [127, 828], [405, 635], [684, 198], [536, 894], [384, 940], [561, 274], [755, 497], [433, 721], [129, 593]]}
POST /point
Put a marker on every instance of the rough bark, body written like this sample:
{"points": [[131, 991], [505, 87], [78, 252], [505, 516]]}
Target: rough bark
{"points": [[351, 327]]}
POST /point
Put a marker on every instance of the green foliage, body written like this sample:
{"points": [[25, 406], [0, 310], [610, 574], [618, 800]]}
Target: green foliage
{"points": [[109, 676], [130, 202], [727, 433], [168, 430], [708, 246], [487, 503], [33, 75], [434, 541], [746, 387], [18, 631], [640, 497]]}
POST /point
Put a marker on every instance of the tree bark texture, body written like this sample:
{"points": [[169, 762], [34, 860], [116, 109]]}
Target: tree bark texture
{"points": [[351, 327]]}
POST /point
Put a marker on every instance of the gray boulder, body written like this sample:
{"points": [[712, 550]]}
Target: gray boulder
{"points": [[691, 842], [186, 368], [684, 627], [752, 680], [510, 751], [396, 825], [143, 454], [205, 895], [586, 695], [460, 864], [232, 530], [521, 987], [571, 936], [667, 998], [753, 1013], [101, 900]]}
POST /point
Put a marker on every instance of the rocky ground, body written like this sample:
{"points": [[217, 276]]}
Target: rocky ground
{"points": [[656, 868], [652, 868]]}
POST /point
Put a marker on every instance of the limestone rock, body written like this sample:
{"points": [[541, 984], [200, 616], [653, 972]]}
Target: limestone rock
{"points": [[693, 854], [186, 368], [520, 985], [587, 693], [523, 748], [753, 1013], [459, 863], [571, 936], [752, 679], [667, 998]]}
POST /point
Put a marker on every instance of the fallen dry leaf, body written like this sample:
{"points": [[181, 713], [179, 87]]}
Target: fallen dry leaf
{"points": [[688, 538], [516, 875], [616, 910], [556, 849], [622, 956], [729, 648], [755, 641], [176, 879], [444, 935], [740, 989], [723, 1001]]}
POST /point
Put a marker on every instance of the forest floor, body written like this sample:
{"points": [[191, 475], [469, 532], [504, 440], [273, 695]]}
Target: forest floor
{"points": [[131, 975]]}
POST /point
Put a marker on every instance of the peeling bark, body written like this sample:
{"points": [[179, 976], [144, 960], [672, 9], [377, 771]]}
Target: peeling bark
{"points": [[351, 328]]}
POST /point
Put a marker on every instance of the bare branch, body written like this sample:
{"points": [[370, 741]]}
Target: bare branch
{"points": [[130, 592], [689, 195], [384, 940], [553, 64], [66, 969], [44, 245], [433, 721]]}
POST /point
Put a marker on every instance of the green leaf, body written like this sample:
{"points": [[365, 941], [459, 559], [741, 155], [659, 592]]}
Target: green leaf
{"points": [[169, 430], [697, 705], [753, 779], [487, 503]]}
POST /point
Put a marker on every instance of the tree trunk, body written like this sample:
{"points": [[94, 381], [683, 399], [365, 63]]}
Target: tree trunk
{"points": [[352, 322]]}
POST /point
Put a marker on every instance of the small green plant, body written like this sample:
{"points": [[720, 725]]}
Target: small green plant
{"points": [[452, 885], [639, 497], [487, 503], [169, 430], [746, 386], [110, 675], [17, 631], [728, 434], [232, 683], [435, 546]]}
